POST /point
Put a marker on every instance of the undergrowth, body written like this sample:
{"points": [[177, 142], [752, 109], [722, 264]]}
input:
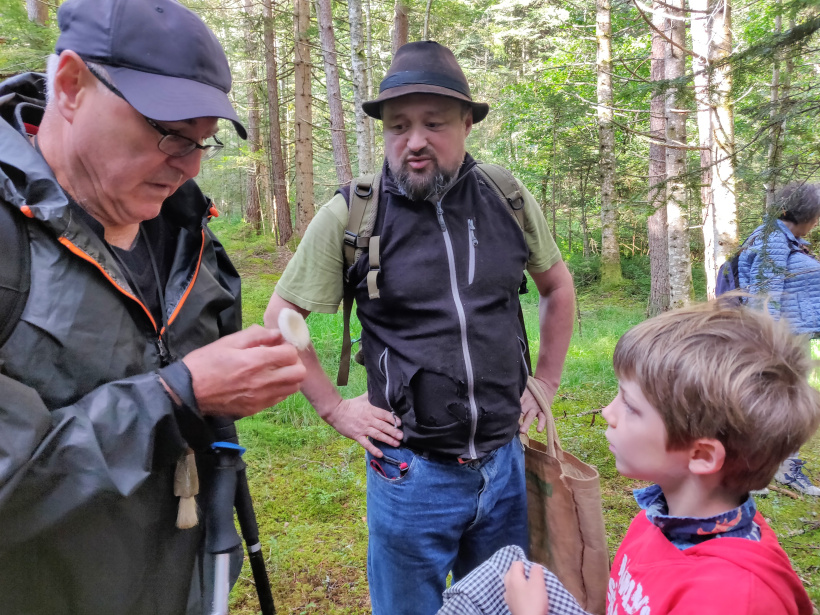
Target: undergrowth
{"points": [[308, 482]]}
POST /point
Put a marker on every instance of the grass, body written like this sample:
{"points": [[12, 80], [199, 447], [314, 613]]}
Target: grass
{"points": [[308, 483]]}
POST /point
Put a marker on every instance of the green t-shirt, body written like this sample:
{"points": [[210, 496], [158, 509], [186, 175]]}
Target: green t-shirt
{"points": [[314, 278]]}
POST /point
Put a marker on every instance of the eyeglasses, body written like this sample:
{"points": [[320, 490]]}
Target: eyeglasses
{"points": [[171, 144]]}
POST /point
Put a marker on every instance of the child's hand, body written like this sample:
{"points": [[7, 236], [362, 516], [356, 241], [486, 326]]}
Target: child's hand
{"points": [[526, 596]]}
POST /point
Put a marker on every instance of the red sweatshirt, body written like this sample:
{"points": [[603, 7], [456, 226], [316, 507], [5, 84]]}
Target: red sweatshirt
{"points": [[722, 576]]}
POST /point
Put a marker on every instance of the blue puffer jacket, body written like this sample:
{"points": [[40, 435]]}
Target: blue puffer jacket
{"points": [[773, 264]]}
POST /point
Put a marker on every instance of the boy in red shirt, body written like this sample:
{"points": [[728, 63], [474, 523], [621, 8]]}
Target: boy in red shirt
{"points": [[711, 399]]}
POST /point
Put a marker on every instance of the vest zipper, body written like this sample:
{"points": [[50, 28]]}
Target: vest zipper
{"points": [[462, 321], [473, 243]]}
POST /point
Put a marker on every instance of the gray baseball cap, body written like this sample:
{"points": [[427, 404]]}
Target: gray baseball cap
{"points": [[159, 54]]}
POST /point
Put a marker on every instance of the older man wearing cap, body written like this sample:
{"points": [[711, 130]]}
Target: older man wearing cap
{"points": [[443, 347], [126, 333]]}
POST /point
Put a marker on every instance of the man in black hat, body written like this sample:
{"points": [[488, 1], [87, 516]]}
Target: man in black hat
{"points": [[125, 332], [442, 343]]}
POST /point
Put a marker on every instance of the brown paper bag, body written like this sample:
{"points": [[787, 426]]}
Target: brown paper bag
{"points": [[566, 516]]}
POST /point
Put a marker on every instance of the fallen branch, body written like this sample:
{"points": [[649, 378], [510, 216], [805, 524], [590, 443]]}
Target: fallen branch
{"points": [[782, 491]]}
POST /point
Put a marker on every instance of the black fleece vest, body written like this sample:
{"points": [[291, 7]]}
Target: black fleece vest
{"points": [[443, 346]]}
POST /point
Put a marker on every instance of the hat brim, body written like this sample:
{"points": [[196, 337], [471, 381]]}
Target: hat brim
{"points": [[170, 99], [373, 108]]}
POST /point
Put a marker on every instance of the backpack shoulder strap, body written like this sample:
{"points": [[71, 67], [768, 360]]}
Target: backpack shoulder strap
{"points": [[363, 206], [505, 186], [15, 274]]}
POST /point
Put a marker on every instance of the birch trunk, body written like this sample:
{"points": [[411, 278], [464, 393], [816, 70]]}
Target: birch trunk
{"points": [[680, 260], [370, 85], [700, 29], [610, 254], [723, 141], [425, 36], [338, 134], [279, 180], [304, 118], [656, 223], [401, 26], [253, 209], [364, 126]]}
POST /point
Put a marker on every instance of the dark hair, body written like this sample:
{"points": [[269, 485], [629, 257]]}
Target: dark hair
{"points": [[798, 202]]}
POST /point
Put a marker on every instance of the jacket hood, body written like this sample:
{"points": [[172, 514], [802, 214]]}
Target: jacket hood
{"points": [[28, 183], [767, 561]]}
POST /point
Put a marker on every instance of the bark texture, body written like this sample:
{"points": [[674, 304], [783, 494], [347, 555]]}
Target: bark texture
{"points": [[610, 254], [401, 26], [304, 118], [37, 11], [712, 44], [279, 179], [358, 56], [253, 209], [341, 157], [656, 223], [680, 260]]}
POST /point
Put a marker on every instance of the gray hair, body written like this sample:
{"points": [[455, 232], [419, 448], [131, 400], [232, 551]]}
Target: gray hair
{"points": [[798, 202], [53, 62]]}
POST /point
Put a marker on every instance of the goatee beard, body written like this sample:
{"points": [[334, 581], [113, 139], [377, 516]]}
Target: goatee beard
{"points": [[428, 188]]}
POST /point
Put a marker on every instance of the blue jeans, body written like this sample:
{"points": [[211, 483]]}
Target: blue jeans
{"points": [[431, 517]]}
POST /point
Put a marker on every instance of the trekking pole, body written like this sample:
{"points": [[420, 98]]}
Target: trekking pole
{"points": [[231, 490]]}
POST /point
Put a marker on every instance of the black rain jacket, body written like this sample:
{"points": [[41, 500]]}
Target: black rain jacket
{"points": [[88, 436]]}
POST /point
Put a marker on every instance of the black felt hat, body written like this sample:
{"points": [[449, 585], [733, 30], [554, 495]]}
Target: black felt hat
{"points": [[424, 67], [160, 55]]}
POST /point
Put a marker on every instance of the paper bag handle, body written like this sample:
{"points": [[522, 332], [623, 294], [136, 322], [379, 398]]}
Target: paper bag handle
{"points": [[553, 443]]}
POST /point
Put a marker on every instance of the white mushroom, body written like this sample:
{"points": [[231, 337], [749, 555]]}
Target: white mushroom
{"points": [[294, 328]]}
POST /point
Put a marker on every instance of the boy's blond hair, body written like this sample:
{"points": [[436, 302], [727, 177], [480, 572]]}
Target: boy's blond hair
{"points": [[730, 373]]}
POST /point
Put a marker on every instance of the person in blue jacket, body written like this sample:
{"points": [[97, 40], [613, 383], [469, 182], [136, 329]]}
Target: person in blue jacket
{"points": [[777, 266]]}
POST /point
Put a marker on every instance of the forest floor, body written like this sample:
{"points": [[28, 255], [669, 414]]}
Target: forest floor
{"points": [[308, 482]]}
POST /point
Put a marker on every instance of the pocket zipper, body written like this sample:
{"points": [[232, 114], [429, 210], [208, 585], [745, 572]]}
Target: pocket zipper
{"points": [[473, 245]]}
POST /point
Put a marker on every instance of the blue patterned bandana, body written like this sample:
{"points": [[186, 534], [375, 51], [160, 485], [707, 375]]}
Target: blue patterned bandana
{"points": [[685, 532]]}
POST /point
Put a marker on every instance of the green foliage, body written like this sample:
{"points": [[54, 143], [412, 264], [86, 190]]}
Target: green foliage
{"points": [[24, 46]]}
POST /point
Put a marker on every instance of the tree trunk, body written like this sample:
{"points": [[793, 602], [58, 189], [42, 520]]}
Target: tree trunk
{"points": [[554, 174], [324, 14], [426, 36], [401, 26], [723, 141], [279, 180], [680, 260], [656, 223], [584, 229], [370, 86], [610, 254], [364, 126], [253, 210], [712, 42], [703, 104], [304, 118], [37, 11]]}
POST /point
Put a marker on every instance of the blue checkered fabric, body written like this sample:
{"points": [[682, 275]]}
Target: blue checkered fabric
{"points": [[482, 591]]}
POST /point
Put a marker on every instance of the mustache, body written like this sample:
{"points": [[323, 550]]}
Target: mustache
{"points": [[425, 152]]}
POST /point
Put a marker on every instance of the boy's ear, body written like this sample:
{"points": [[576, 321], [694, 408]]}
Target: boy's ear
{"points": [[706, 456]]}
